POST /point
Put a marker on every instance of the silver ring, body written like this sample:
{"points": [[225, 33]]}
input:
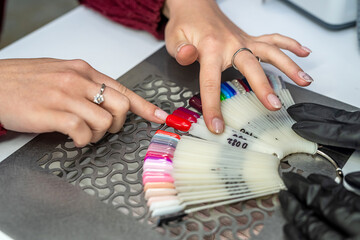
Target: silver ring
{"points": [[240, 50], [338, 170], [99, 98]]}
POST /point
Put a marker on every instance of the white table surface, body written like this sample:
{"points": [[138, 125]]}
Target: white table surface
{"points": [[113, 49]]}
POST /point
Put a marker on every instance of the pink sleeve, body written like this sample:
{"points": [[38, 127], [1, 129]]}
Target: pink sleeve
{"points": [[139, 14]]}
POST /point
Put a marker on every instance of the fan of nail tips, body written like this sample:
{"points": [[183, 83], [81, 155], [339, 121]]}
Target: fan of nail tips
{"points": [[191, 173]]}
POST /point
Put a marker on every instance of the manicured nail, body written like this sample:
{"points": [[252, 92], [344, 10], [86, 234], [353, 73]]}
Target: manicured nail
{"points": [[160, 114], [274, 101], [180, 46], [218, 125], [306, 77], [306, 49]]}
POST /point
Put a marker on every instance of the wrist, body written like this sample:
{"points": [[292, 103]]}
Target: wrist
{"points": [[171, 6], [165, 9]]}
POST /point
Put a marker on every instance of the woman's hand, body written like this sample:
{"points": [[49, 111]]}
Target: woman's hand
{"points": [[198, 30], [45, 95]]}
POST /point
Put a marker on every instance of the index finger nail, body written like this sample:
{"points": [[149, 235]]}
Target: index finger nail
{"points": [[306, 77], [161, 114], [306, 49], [218, 125], [274, 101]]}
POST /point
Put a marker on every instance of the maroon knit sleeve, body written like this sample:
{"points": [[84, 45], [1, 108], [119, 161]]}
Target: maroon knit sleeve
{"points": [[2, 130], [139, 14], [2, 13]]}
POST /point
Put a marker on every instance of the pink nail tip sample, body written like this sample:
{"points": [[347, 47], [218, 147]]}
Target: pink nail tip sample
{"points": [[150, 155], [156, 147], [156, 164], [158, 170], [156, 177]]}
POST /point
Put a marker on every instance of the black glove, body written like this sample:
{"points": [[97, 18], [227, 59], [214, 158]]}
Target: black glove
{"points": [[329, 126], [326, 125], [319, 208]]}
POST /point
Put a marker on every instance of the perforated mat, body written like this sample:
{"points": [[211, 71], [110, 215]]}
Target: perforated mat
{"points": [[49, 176]]}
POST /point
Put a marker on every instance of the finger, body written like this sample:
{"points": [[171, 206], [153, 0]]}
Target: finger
{"points": [[73, 101], [334, 204], [291, 232], [329, 133], [97, 118], [250, 67], [179, 47], [64, 122], [210, 82], [320, 113], [285, 42], [186, 54], [138, 105], [114, 102], [309, 225], [280, 60]]}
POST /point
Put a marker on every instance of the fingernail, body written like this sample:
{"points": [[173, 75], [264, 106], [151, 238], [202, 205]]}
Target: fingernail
{"points": [[306, 49], [274, 101], [180, 46], [306, 77], [218, 125], [160, 114]]}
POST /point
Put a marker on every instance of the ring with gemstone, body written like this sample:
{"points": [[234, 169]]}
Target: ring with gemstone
{"points": [[239, 50], [99, 98]]}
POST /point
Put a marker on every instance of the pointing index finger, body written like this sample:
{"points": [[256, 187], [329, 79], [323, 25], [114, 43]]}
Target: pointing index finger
{"points": [[138, 105], [210, 80]]}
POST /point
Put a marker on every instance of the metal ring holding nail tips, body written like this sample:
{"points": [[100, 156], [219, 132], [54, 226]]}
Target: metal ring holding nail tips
{"points": [[240, 50], [338, 170], [99, 98]]}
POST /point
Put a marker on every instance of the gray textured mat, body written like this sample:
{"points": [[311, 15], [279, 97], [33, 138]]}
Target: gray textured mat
{"points": [[51, 190]]}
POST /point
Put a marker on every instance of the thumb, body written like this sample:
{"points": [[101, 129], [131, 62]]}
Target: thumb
{"points": [[179, 47]]}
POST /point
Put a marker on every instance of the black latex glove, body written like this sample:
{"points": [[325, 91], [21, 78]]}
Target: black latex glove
{"points": [[319, 208], [326, 125]]}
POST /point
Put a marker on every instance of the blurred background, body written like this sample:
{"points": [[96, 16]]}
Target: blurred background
{"points": [[24, 16]]}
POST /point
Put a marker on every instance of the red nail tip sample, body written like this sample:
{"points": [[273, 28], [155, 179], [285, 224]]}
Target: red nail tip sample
{"points": [[178, 123]]}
